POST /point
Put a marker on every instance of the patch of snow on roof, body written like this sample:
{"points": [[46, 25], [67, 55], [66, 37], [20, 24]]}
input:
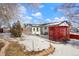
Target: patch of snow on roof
{"points": [[64, 24]]}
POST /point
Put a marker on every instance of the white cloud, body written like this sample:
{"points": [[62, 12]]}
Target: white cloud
{"points": [[56, 19], [37, 14]]}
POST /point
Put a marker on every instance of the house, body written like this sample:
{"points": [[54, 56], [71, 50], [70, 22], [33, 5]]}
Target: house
{"points": [[44, 29], [36, 29], [40, 29]]}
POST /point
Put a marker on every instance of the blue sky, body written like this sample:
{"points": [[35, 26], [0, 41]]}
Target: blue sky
{"points": [[44, 13]]}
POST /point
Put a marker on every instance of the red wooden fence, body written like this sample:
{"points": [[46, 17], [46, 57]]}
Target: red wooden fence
{"points": [[74, 36]]}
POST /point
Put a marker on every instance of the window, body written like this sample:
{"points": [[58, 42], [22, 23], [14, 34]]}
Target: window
{"points": [[37, 28], [33, 29], [45, 27]]}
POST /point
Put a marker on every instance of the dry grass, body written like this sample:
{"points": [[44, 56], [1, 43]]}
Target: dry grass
{"points": [[15, 49], [1, 44]]}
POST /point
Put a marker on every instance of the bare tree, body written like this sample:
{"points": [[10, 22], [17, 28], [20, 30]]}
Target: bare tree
{"points": [[8, 11], [70, 10]]}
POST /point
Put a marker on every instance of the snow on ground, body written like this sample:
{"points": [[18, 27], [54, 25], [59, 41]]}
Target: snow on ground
{"points": [[65, 50], [5, 35], [35, 43], [69, 49], [38, 43], [32, 43]]}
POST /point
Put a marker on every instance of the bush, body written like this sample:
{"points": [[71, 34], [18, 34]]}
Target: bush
{"points": [[16, 29]]}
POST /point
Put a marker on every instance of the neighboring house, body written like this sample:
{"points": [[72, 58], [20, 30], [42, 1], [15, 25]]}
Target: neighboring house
{"points": [[5, 28], [28, 29], [42, 29], [78, 29], [74, 30]]}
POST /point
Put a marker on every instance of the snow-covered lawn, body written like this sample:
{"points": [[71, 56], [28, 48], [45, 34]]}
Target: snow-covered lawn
{"points": [[34, 43], [38, 43]]}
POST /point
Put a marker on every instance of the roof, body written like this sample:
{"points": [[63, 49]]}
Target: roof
{"points": [[63, 23]]}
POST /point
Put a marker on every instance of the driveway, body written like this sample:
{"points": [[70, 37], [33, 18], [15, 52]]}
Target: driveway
{"points": [[65, 50], [69, 49]]}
